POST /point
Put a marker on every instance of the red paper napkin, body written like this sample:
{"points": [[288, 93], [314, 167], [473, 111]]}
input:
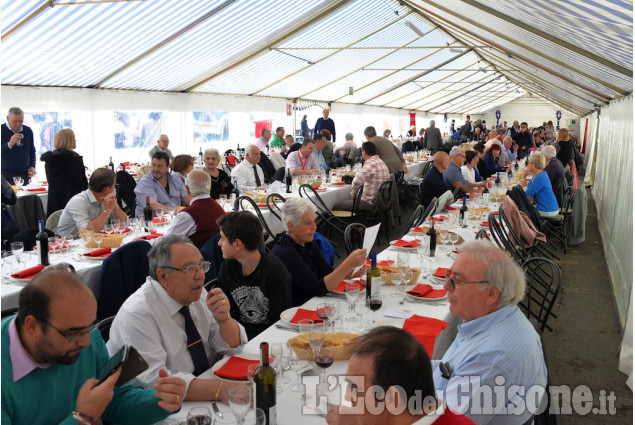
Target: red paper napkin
{"points": [[321, 189], [382, 263], [342, 286], [306, 314], [151, 236], [338, 183], [426, 291], [158, 220], [440, 218], [100, 252], [485, 223], [495, 212], [126, 230], [406, 244], [450, 208], [418, 230], [54, 247], [235, 368], [28, 273], [37, 189], [261, 205], [441, 272], [425, 330]]}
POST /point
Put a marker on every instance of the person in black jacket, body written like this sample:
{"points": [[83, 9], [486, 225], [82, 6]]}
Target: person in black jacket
{"points": [[565, 147], [65, 171]]}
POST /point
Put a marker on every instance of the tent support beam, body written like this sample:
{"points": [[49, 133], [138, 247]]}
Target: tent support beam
{"points": [[459, 96], [29, 17]]}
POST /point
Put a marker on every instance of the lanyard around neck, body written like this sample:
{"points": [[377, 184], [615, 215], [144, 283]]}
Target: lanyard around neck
{"points": [[303, 164]]}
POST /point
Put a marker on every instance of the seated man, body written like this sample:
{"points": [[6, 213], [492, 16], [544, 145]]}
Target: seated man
{"points": [[328, 148], [554, 169], [257, 283], [248, 173], [320, 145], [161, 186], [303, 162], [198, 221], [344, 154], [509, 149], [161, 146], [432, 186], [372, 175], [263, 141], [92, 207], [496, 346], [175, 324], [453, 177], [393, 360], [51, 347], [291, 146], [276, 141]]}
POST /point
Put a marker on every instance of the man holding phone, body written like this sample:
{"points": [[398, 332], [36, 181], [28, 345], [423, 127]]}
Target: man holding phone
{"points": [[51, 354]]}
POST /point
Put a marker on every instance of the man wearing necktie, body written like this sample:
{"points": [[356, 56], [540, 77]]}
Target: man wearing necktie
{"points": [[176, 324], [248, 173]]}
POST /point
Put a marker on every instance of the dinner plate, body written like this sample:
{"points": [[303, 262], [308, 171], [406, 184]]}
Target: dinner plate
{"points": [[224, 360], [94, 259], [425, 300], [288, 314], [21, 282], [437, 280], [392, 243]]}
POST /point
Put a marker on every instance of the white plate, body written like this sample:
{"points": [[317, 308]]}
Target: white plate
{"points": [[425, 300], [288, 314], [82, 257], [224, 360], [20, 282], [392, 243]]}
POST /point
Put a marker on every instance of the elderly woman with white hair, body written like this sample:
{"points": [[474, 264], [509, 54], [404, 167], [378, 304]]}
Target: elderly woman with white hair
{"points": [[554, 168], [539, 188], [221, 184], [312, 275]]}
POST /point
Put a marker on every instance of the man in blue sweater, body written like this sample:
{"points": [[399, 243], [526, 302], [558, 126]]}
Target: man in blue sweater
{"points": [[18, 148], [51, 353], [325, 123]]}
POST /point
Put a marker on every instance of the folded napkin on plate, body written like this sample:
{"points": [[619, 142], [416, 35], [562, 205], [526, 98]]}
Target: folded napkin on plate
{"points": [[440, 272], [151, 236], [382, 263], [418, 230], [28, 273], [100, 252], [305, 314], [235, 368], [261, 205], [338, 183], [406, 244], [426, 291], [159, 220], [36, 189], [425, 330], [450, 208], [342, 286]]}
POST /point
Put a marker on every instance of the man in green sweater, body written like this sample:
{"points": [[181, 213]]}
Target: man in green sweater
{"points": [[51, 354], [277, 141]]}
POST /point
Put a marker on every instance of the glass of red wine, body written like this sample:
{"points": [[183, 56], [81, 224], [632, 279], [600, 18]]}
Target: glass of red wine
{"points": [[374, 303], [324, 359], [324, 310], [199, 416]]}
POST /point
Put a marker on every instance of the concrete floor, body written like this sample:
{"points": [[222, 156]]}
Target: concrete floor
{"points": [[584, 347]]}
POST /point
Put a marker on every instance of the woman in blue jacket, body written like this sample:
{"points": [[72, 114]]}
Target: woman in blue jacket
{"points": [[540, 186]]}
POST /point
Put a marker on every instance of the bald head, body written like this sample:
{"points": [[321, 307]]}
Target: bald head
{"points": [[441, 160]]}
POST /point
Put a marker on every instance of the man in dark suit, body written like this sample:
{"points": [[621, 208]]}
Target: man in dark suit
{"points": [[432, 138]]}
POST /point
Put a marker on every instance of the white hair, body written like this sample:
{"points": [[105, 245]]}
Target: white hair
{"points": [[199, 182], [548, 151], [456, 150], [212, 151], [249, 148], [294, 209]]}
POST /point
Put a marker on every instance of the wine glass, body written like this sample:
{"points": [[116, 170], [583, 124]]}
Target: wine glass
{"points": [[255, 417], [240, 401], [321, 311], [454, 238], [161, 214], [17, 248], [406, 278], [316, 336], [331, 310], [298, 360], [199, 416], [361, 309], [61, 241], [374, 303], [279, 351], [352, 292], [98, 238], [324, 359], [444, 239], [223, 200], [18, 181], [395, 277]]}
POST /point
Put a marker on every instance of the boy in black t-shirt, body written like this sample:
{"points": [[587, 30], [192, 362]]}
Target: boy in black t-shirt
{"points": [[258, 284]]}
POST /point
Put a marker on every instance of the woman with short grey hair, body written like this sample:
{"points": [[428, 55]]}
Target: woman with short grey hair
{"points": [[539, 188], [312, 275], [221, 184]]}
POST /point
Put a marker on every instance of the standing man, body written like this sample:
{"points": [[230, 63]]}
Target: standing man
{"points": [[263, 142], [302, 161], [51, 346], [174, 323], [248, 173], [257, 284], [387, 151], [18, 147], [277, 139], [325, 123], [465, 132], [524, 140], [432, 138], [161, 186], [92, 207], [162, 146]]}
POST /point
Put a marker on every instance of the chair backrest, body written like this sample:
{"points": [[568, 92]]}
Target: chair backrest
{"points": [[357, 197], [511, 234], [272, 203], [122, 273], [9, 311], [211, 252], [482, 234], [426, 167], [384, 196], [431, 209], [354, 237], [51, 222], [415, 220], [543, 286], [268, 234], [502, 239], [104, 327], [457, 193], [447, 198], [125, 193]]}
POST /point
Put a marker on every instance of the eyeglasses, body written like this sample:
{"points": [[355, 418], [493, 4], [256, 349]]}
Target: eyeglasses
{"points": [[191, 270], [454, 282], [71, 336]]}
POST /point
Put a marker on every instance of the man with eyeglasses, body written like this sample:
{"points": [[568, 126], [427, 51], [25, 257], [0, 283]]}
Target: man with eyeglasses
{"points": [[174, 323], [51, 353], [496, 348], [453, 176], [162, 146]]}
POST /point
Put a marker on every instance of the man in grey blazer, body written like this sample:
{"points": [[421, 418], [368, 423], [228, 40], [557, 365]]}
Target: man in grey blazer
{"points": [[432, 138]]}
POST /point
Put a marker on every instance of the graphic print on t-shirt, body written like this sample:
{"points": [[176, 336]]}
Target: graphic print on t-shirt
{"points": [[252, 304]]}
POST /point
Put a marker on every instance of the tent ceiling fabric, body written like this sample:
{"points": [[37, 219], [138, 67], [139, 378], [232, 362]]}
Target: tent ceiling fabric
{"points": [[439, 56]]}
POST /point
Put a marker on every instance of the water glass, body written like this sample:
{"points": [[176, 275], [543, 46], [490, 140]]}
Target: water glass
{"points": [[17, 248], [240, 401], [396, 277], [254, 417], [298, 361], [352, 292]]}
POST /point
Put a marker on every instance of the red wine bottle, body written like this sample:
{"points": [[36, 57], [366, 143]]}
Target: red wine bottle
{"points": [[432, 234]]}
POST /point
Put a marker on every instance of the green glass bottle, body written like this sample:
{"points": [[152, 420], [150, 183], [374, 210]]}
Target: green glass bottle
{"points": [[265, 383], [371, 273]]}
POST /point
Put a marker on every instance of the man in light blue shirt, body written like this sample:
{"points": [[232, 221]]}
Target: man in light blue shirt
{"points": [[320, 144], [163, 188], [507, 149], [453, 176], [497, 351]]}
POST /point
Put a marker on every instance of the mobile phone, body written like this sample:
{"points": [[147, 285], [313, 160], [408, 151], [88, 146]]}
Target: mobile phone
{"points": [[130, 361]]}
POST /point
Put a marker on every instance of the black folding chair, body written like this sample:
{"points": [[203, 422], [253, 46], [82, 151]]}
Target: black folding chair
{"points": [[354, 237], [272, 203], [327, 220], [104, 327], [482, 234], [415, 220], [543, 286], [268, 235], [557, 226]]}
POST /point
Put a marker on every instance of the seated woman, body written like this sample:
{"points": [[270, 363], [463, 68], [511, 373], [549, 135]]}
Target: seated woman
{"points": [[65, 170], [221, 183], [540, 187], [182, 165], [469, 171], [312, 275], [490, 158]]}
